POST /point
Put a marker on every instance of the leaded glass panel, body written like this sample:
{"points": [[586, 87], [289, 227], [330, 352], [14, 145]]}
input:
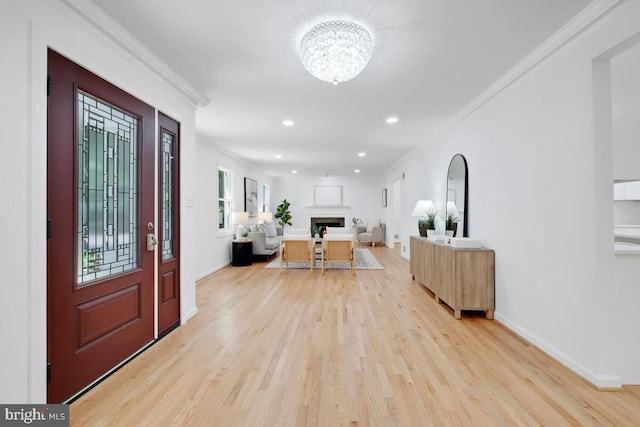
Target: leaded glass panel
{"points": [[107, 189], [167, 195]]}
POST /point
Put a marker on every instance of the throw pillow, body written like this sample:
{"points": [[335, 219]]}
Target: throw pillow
{"points": [[270, 229], [373, 224]]}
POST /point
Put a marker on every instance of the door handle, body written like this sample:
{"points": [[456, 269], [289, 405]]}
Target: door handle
{"points": [[152, 242]]}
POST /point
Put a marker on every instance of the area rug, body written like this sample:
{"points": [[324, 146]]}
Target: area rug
{"points": [[364, 261]]}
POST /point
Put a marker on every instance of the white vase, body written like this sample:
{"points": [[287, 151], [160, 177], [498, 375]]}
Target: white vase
{"points": [[430, 232], [448, 232]]}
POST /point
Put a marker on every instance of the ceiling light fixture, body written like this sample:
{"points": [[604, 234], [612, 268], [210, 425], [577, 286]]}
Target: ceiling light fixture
{"points": [[287, 123], [278, 156], [357, 171], [294, 171], [336, 51], [392, 120], [362, 154]]}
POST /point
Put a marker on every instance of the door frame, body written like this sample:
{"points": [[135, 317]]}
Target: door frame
{"points": [[84, 340], [32, 373]]}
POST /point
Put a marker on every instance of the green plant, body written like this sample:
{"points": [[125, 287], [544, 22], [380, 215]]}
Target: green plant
{"points": [[356, 221], [452, 216], [451, 219], [317, 229], [282, 213], [430, 222]]}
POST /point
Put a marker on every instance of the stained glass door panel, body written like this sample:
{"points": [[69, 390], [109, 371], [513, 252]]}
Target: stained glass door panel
{"points": [[107, 190]]}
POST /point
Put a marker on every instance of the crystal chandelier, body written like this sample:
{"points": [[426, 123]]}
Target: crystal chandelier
{"points": [[336, 51]]}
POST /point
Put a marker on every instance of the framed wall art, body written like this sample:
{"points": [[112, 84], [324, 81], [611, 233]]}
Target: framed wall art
{"points": [[327, 195], [251, 196]]}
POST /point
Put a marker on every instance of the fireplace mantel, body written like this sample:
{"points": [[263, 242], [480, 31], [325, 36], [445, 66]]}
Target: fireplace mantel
{"points": [[315, 209]]}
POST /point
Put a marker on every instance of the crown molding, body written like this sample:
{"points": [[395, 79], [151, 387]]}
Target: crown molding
{"points": [[220, 149], [101, 22], [577, 25]]}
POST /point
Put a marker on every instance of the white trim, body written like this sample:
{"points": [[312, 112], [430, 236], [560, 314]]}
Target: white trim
{"points": [[188, 315], [600, 381], [212, 270], [37, 233], [94, 20], [559, 39]]}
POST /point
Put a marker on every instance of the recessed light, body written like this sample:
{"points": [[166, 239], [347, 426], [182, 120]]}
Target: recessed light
{"points": [[392, 120], [294, 171], [357, 171], [287, 123], [362, 154], [278, 156]]}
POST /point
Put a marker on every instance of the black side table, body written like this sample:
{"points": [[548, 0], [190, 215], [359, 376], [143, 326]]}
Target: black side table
{"points": [[242, 253]]}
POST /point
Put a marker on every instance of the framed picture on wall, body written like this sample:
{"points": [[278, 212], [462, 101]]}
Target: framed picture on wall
{"points": [[251, 196], [327, 195], [384, 197]]}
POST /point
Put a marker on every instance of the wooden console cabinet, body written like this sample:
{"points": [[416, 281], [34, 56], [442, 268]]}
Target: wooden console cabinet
{"points": [[462, 278]]}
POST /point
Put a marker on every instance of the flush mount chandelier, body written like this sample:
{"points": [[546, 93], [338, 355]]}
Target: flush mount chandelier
{"points": [[336, 51]]}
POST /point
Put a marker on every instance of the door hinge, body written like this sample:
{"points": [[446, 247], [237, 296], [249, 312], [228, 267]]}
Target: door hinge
{"points": [[49, 84], [48, 372], [48, 228]]}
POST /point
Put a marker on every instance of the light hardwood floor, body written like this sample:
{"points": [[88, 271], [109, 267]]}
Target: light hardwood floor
{"points": [[296, 348]]}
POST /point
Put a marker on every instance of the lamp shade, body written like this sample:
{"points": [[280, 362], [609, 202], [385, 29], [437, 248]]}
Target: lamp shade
{"points": [[422, 207], [265, 216], [240, 218]]}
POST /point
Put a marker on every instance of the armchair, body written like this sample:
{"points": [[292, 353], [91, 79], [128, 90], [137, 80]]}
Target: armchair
{"points": [[373, 235], [297, 247], [338, 248]]}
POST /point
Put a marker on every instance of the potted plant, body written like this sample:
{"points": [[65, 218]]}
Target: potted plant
{"points": [[316, 231], [430, 222], [452, 219], [282, 214], [427, 222]]}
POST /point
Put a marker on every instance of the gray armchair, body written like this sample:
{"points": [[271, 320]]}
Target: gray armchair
{"points": [[373, 236]]}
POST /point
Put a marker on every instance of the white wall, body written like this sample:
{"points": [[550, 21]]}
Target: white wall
{"points": [[627, 271], [361, 198], [214, 245], [26, 29], [540, 195], [625, 88]]}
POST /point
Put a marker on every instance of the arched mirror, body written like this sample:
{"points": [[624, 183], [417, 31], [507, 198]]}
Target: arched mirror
{"points": [[457, 206]]}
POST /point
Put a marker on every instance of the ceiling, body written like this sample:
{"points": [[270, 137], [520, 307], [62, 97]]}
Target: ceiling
{"points": [[431, 58]]}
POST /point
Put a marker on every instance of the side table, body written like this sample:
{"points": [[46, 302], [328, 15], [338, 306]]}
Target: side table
{"points": [[242, 253]]}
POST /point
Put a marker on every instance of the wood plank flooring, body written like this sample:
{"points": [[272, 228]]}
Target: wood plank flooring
{"points": [[295, 348]]}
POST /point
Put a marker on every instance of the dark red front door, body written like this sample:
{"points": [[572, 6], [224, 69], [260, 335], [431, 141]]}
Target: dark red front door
{"points": [[169, 221], [100, 190]]}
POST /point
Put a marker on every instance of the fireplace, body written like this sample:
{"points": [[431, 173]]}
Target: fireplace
{"points": [[324, 222]]}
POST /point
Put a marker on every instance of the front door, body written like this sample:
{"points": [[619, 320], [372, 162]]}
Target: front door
{"points": [[100, 207]]}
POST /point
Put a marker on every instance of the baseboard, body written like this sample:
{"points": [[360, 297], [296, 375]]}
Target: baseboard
{"points": [[187, 316], [602, 382], [212, 270]]}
